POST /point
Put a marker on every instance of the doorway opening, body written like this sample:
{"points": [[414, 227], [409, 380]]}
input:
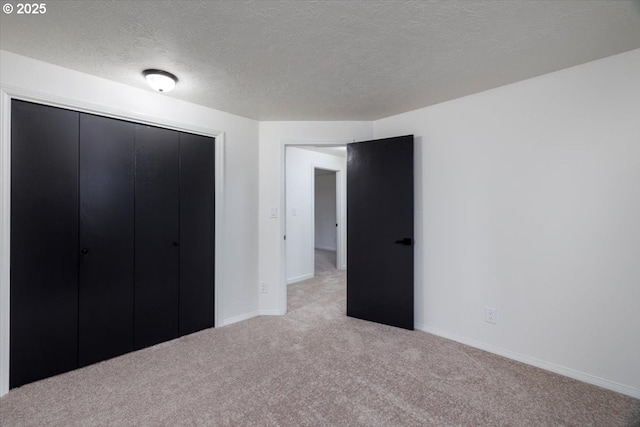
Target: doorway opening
{"points": [[314, 210], [381, 182], [325, 220]]}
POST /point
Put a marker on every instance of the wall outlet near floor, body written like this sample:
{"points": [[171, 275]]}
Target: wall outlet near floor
{"points": [[490, 315], [263, 287]]}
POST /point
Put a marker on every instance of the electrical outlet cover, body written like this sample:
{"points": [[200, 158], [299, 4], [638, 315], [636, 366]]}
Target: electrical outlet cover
{"points": [[490, 315]]}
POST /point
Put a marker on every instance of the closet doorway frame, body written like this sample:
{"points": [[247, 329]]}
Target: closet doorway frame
{"points": [[9, 94]]}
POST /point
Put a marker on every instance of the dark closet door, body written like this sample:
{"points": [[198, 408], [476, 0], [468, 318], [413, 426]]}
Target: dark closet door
{"points": [[380, 231], [44, 242], [106, 238], [157, 235], [196, 232]]}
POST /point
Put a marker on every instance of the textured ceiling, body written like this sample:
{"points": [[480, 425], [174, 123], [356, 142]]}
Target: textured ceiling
{"points": [[324, 60]]}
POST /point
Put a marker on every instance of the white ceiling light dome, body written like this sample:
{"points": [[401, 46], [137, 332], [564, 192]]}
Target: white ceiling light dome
{"points": [[160, 80]]}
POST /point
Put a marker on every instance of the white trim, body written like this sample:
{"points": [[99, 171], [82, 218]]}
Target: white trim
{"points": [[341, 216], [300, 278], [219, 220], [312, 229], [250, 315], [7, 93], [326, 248], [281, 288], [562, 370], [240, 318], [5, 228], [312, 226], [270, 313]]}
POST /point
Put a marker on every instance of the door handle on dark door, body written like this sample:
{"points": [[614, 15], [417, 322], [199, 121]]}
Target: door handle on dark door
{"points": [[84, 251], [176, 244], [407, 241]]}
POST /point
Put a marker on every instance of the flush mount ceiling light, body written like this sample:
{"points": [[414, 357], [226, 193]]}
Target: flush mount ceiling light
{"points": [[159, 80]]}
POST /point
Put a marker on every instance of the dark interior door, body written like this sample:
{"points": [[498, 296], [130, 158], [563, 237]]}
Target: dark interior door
{"points": [[196, 232], [44, 242], [157, 235], [380, 231], [106, 238]]}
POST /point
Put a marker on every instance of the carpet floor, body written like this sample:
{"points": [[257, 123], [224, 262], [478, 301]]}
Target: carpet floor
{"points": [[314, 367]]}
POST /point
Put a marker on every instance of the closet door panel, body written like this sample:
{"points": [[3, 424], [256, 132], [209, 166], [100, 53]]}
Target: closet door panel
{"points": [[197, 213], [157, 234], [44, 242], [106, 238]]}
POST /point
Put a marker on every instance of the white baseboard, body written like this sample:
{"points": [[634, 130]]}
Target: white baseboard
{"points": [[250, 315], [240, 318], [299, 278], [271, 313], [567, 372], [326, 248]]}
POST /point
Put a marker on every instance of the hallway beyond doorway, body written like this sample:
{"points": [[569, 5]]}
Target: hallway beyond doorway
{"points": [[324, 260]]}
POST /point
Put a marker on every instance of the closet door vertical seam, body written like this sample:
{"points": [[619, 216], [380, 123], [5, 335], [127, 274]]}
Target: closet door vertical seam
{"points": [[135, 175], [78, 246], [178, 334]]}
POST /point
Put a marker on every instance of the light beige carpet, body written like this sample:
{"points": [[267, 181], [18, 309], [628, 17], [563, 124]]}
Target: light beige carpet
{"points": [[314, 367]]}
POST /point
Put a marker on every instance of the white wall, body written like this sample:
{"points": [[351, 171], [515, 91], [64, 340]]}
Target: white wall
{"points": [[325, 212], [236, 288], [528, 201], [273, 137], [299, 246]]}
